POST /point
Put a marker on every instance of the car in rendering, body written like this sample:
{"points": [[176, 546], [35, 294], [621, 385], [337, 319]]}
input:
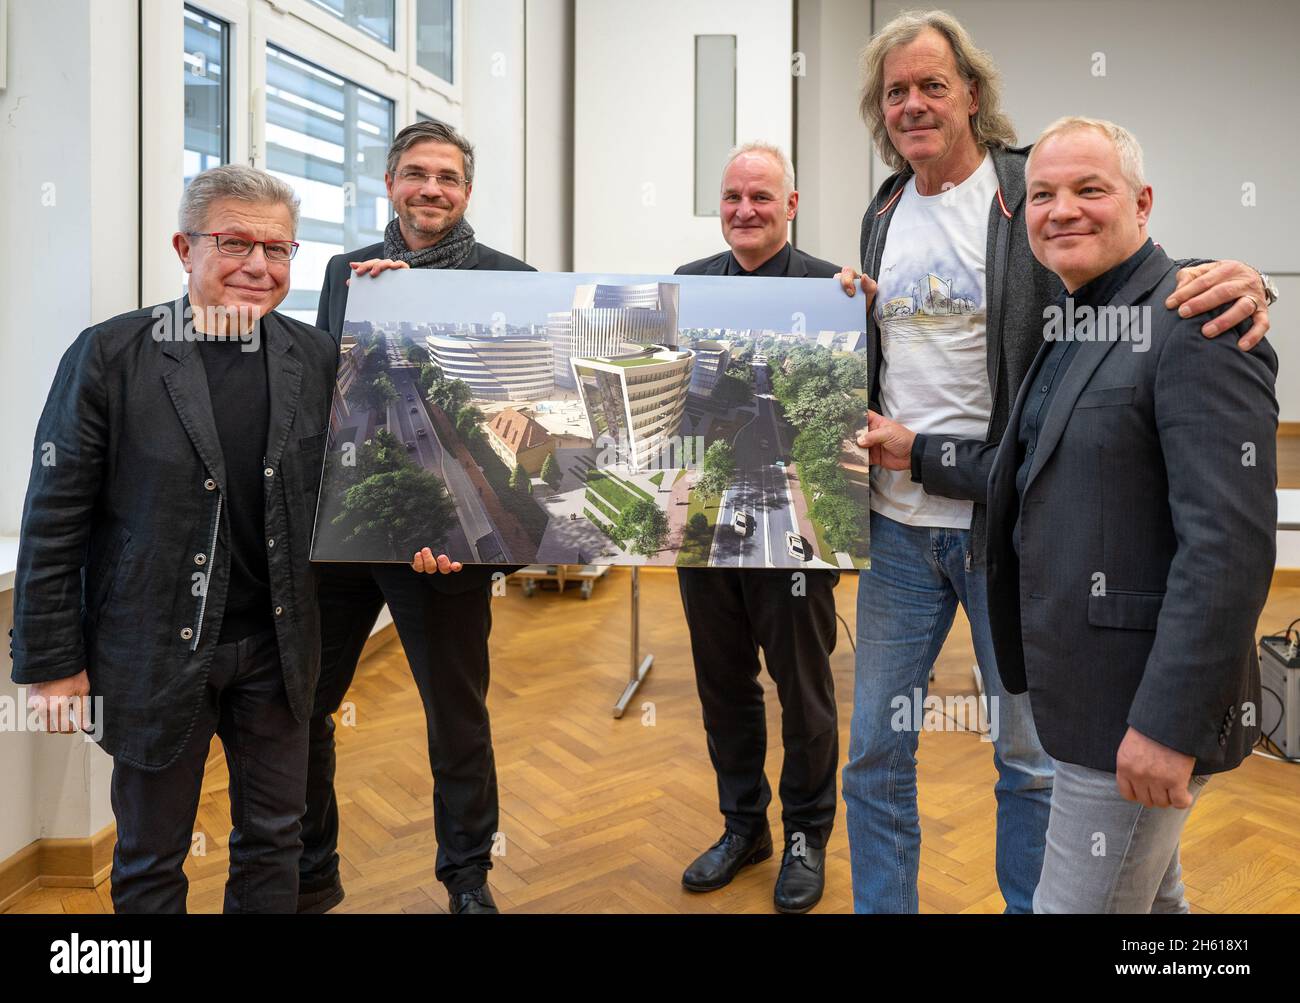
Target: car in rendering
{"points": [[410, 446], [797, 547], [415, 410], [742, 523], [421, 433]]}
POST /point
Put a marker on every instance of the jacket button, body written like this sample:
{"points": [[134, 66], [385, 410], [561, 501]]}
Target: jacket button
{"points": [[1223, 740], [270, 543], [200, 559], [1232, 713], [209, 485], [269, 471], [186, 633], [279, 611]]}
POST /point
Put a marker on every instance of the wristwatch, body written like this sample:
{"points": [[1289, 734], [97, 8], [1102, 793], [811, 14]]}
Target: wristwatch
{"points": [[1271, 295]]}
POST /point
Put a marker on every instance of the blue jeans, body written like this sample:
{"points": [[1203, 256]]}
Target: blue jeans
{"points": [[906, 604]]}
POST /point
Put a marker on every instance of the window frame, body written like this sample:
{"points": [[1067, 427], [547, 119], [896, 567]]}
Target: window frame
{"points": [[303, 30], [426, 80]]}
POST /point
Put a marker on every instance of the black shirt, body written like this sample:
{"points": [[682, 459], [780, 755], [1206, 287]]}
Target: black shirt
{"points": [[778, 264], [1056, 363], [237, 384]]}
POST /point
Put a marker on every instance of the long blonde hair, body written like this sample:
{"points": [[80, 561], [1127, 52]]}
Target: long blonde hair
{"points": [[991, 126]]}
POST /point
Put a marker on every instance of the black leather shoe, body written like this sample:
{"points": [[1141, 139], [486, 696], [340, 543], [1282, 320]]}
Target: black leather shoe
{"points": [[320, 896], [475, 900], [716, 866], [802, 879]]}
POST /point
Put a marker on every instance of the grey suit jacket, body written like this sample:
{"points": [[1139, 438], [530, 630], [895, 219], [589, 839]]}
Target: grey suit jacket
{"points": [[1147, 541]]}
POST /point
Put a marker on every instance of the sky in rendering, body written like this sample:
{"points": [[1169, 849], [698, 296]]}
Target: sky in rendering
{"points": [[516, 299]]}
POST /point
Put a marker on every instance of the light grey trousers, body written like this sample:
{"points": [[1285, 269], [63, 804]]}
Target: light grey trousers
{"points": [[1108, 855]]}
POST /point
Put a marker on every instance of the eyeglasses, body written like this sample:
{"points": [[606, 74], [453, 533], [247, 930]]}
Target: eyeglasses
{"points": [[241, 247], [410, 176]]}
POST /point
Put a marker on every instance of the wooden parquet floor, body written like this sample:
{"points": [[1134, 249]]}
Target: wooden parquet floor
{"points": [[599, 815]]}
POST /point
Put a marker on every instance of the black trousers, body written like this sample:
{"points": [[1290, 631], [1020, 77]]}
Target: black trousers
{"points": [[731, 613], [266, 751], [445, 637]]}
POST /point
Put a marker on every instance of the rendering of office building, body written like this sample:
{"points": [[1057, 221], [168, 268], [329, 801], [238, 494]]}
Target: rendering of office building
{"points": [[497, 369], [635, 400], [711, 361], [559, 331], [613, 320], [842, 341]]}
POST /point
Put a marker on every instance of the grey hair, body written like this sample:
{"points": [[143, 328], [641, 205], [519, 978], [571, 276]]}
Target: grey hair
{"points": [[233, 181], [991, 126], [768, 150], [436, 132], [1125, 143]]}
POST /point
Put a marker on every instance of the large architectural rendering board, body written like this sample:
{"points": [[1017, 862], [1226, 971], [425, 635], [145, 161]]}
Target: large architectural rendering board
{"points": [[557, 418]]}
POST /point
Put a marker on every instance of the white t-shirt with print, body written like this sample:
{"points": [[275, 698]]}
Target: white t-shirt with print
{"points": [[934, 357]]}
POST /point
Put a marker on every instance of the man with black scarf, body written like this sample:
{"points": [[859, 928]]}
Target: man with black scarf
{"points": [[443, 621]]}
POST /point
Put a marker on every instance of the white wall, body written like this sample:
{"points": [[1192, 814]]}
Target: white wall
{"points": [[1209, 89], [68, 199], [68, 254], [493, 81], [833, 148], [548, 97], [634, 112]]}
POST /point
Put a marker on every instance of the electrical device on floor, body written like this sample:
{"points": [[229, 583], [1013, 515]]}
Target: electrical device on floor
{"points": [[1279, 673]]}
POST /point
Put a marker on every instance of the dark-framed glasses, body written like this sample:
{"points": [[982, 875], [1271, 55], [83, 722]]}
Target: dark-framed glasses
{"points": [[412, 176], [239, 246]]}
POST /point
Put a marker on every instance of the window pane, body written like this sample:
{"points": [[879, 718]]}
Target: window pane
{"points": [[207, 93], [433, 37], [715, 116], [370, 17], [328, 138]]}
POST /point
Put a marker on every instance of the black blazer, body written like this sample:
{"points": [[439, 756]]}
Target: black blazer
{"points": [[329, 317], [801, 266], [119, 528], [1148, 541]]}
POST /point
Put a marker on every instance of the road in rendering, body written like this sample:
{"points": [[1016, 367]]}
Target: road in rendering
{"points": [[429, 452], [761, 490]]}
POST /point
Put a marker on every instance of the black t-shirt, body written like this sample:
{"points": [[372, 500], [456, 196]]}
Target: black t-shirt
{"points": [[237, 384]]}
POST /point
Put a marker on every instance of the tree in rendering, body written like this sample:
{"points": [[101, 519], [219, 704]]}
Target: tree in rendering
{"points": [[520, 482], [389, 515], [469, 424], [841, 520], [551, 472], [718, 468], [644, 525]]}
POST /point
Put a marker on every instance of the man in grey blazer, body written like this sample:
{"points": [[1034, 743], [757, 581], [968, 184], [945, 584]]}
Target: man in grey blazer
{"points": [[1132, 512]]}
